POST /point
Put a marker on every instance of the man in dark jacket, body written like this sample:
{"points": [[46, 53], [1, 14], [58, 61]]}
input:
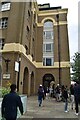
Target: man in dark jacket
{"points": [[77, 96], [40, 94], [10, 103]]}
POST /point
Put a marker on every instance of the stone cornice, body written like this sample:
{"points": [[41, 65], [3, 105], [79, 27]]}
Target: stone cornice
{"points": [[16, 47]]}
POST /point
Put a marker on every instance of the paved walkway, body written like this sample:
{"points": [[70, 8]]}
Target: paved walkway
{"points": [[49, 109]]}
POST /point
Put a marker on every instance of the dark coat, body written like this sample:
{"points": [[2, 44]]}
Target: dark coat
{"points": [[77, 90], [65, 94], [40, 93], [9, 105]]}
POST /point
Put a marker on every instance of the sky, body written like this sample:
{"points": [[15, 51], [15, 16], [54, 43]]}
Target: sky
{"points": [[72, 18]]}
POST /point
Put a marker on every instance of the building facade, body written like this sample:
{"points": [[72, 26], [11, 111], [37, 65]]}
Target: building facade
{"points": [[34, 46]]}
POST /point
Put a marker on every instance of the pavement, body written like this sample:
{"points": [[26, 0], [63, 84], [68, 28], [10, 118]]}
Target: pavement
{"points": [[50, 109]]}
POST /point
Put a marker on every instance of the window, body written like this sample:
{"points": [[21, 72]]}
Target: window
{"points": [[48, 43], [5, 6], [48, 47], [48, 24], [27, 29], [3, 23], [47, 61], [48, 34], [1, 44]]}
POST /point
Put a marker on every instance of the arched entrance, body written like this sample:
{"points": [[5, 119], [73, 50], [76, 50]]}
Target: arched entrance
{"points": [[32, 84], [25, 81], [48, 81]]}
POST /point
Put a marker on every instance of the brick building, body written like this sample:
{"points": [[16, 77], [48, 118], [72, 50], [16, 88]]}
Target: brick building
{"points": [[34, 46]]}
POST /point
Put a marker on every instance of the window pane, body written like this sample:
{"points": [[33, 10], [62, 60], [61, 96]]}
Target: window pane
{"points": [[3, 22], [48, 47], [48, 35], [48, 61], [5, 6], [48, 24]]}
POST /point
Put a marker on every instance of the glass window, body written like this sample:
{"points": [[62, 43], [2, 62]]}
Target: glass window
{"points": [[3, 22], [48, 34], [48, 43], [5, 6], [48, 24], [48, 47], [47, 61]]}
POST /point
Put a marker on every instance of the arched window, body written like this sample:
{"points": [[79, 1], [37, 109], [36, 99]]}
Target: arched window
{"points": [[48, 24], [48, 43]]}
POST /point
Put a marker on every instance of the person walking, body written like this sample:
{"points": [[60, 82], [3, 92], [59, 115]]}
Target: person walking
{"points": [[40, 95], [57, 90], [10, 103], [65, 95], [77, 97]]}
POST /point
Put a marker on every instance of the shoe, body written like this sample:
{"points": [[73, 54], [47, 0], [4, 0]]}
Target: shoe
{"points": [[66, 111], [76, 113], [39, 105]]}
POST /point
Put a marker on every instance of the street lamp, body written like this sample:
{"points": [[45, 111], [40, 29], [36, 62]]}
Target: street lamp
{"points": [[58, 30]]}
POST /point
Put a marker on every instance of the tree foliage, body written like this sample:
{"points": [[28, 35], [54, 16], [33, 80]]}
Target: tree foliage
{"points": [[76, 67]]}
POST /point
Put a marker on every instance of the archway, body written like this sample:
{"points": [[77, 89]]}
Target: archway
{"points": [[32, 84], [48, 81], [25, 81]]}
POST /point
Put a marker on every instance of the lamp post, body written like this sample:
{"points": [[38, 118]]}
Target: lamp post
{"points": [[58, 31]]}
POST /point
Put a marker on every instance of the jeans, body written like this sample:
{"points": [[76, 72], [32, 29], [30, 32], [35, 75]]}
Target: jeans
{"points": [[66, 105], [40, 100], [77, 104], [72, 101]]}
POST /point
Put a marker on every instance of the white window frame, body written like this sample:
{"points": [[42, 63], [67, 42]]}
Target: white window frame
{"points": [[48, 24], [45, 47], [45, 61], [48, 34], [5, 6]]}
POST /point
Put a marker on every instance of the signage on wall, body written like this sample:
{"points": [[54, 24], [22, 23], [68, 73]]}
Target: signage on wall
{"points": [[6, 76], [16, 66]]}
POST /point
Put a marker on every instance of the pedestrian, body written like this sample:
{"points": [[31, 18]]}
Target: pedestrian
{"points": [[65, 95], [40, 95], [77, 97], [72, 95], [47, 93], [57, 90], [10, 103]]}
